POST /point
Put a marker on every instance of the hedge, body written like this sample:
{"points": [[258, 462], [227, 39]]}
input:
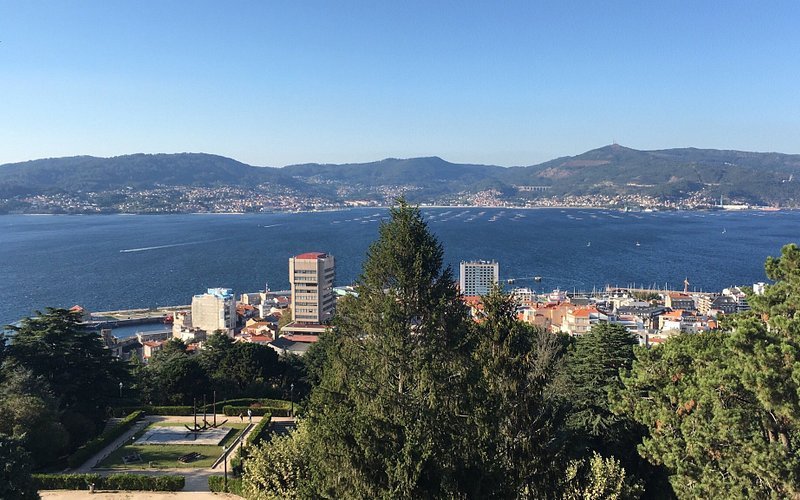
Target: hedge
{"points": [[217, 485], [274, 406], [111, 482], [256, 436], [234, 411], [86, 451], [180, 411], [260, 431]]}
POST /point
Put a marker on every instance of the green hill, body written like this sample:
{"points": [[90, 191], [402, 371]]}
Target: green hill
{"points": [[759, 178]]}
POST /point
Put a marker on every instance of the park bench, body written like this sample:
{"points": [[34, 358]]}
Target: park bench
{"points": [[190, 457], [133, 457]]}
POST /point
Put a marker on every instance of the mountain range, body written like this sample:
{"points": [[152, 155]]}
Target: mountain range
{"points": [[747, 177]]}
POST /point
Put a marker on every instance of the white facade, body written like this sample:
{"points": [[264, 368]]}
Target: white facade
{"points": [[214, 310], [478, 277]]}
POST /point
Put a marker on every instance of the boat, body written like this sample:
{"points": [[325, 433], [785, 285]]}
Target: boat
{"points": [[724, 231], [537, 279], [637, 244], [588, 244], [510, 281]]}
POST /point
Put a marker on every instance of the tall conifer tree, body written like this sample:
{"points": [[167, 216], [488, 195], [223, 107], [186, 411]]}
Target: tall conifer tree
{"points": [[386, 420]]}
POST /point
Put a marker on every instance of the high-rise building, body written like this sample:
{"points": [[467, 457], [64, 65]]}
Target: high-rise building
{"points": [[313, 301], [477, 277], [214, 310]]}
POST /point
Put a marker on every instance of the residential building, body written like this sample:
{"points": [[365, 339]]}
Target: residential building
{"points": [[679, 300], [477, 277], [311, 276], [579, 320], [214, 310], [738, 294]]}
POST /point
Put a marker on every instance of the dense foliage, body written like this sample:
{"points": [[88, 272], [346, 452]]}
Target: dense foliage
{"points": [[722, 408], [57, 382], [233, 370], [15, 471]]}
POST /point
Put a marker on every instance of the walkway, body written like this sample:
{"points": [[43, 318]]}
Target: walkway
{"points": [[196, 479]]}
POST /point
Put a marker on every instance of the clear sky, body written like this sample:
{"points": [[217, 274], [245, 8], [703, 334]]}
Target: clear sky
{"points": [[501, 82]]}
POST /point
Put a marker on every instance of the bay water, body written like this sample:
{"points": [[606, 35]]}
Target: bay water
{"points": [[110, 262]]}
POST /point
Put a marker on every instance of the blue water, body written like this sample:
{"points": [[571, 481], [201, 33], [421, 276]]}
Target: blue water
{"points": [[118, 261]]}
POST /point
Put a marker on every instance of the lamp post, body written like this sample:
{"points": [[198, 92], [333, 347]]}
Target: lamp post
{"points": [[225, 466], [120, 390], [291, 397]]}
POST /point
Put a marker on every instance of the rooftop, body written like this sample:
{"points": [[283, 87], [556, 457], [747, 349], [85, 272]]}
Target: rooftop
{"points": [[311, 256]]}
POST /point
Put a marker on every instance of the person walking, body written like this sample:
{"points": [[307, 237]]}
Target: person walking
{"points": [[241, 417], [250, 415]]}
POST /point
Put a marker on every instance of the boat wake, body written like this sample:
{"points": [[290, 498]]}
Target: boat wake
{"points": [[158, 247]]}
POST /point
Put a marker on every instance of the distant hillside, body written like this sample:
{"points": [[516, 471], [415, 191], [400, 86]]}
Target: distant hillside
{"points": [[761, 178], [753, 177], [138, 171]]}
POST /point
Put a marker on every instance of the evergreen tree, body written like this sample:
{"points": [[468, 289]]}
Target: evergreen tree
{"points": [[722, 408], [387, 419], [593, 373], [81, 374], [15, 471], [519, 433]]}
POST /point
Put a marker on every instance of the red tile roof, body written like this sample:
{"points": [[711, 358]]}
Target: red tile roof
{"points": [[311, 256], [301, 338]]}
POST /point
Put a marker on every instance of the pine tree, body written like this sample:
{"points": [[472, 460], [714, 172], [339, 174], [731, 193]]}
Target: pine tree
{"points": [[593, 374], [82, 375], [519, 432], [387, 419], [722, 407]]}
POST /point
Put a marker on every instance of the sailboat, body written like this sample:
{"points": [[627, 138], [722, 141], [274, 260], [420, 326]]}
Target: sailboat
{"points": [[724, 230], [637, 244]]}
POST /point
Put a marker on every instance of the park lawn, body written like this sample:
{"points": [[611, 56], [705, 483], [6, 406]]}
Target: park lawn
{"points": [[163, 456]]}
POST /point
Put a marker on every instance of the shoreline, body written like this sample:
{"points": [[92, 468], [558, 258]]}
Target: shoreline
{"points": [[423, 207]]}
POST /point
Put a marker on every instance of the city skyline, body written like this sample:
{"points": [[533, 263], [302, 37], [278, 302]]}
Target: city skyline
{"points": [[280, 84]]}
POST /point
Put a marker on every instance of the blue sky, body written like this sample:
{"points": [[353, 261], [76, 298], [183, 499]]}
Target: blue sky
{"points": [[508, 83]]}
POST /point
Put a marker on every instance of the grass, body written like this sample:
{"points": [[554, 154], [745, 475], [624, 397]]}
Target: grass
{"points": [[161, 456]]}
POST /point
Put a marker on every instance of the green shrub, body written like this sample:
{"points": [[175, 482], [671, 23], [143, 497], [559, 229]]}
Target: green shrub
{"points": [[235, 485], [112, 482], [86, 451], [180, 411], [234, 411], [143, 483], [260, 431], [65, 481]]}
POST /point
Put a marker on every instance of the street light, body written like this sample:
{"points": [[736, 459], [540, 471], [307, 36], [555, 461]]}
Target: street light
{"points": [[291, 397], [120, 390], [225, 466]]}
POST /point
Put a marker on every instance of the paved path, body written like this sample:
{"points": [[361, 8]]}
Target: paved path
{"points": [[108, 450], [196, 479]]}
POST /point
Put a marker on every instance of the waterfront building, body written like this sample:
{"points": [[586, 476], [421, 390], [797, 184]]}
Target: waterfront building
{"points": [[679, 300], [579, 320], [523, 295], [215, 310], [683, 321], [478, 276], [738, 294], [311, 277]]}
